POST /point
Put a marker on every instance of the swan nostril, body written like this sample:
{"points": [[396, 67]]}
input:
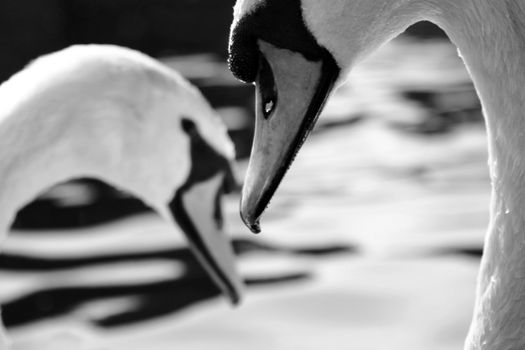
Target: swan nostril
{"points": [[268, 107], [266, 87]]}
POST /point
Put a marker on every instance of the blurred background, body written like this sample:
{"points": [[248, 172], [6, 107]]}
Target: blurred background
{"points": [[372, 241]]}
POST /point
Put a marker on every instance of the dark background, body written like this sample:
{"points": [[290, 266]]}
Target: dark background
{"points": [[30, 28]]}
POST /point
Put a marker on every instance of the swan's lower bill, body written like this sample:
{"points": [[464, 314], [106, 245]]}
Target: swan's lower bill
{"points": [[197, 209], [288, 85]]}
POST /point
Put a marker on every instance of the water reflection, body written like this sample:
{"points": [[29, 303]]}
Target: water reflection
{"points": [[149, 300]]}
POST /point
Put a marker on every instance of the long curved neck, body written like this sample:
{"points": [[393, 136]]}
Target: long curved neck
{"points": [[491, 39], [37, 152], [25, 172]]}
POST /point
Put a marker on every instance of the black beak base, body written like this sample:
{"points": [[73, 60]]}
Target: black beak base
{"points": [[202, 250]]}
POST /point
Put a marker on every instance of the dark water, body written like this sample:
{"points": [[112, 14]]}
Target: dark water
{"points": [[150, 299]]}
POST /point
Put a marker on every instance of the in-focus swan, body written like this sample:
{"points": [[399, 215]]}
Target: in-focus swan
{"points": [[117, 115], [296, 49]]}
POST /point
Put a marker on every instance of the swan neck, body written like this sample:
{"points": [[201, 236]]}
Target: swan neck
{"points": [[490, 36], [38, 153], [26, 172]]}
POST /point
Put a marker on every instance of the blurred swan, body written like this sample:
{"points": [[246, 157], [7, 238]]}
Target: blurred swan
{"points": [[117, 115], [295, 51]]}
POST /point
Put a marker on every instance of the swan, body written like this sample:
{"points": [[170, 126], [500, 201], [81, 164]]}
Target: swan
{"points": [[114, 114], [297, 50]]}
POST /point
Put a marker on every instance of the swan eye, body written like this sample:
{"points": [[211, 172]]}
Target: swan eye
{"points": [[188, 126], [266, 85]]}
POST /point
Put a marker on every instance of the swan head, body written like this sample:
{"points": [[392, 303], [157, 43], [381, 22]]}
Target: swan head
{"points": [[196, 207], [180, 163], [295, 51], [194, 157]]}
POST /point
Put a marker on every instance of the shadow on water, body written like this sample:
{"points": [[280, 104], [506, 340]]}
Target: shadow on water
{"points": [[241, 247], [469, 252], [447, 108], [149, 300], [96, 203]]}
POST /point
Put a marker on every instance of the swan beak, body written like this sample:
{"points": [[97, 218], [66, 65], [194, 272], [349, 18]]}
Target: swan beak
{"points": [[290, 93], [197, 210]]}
